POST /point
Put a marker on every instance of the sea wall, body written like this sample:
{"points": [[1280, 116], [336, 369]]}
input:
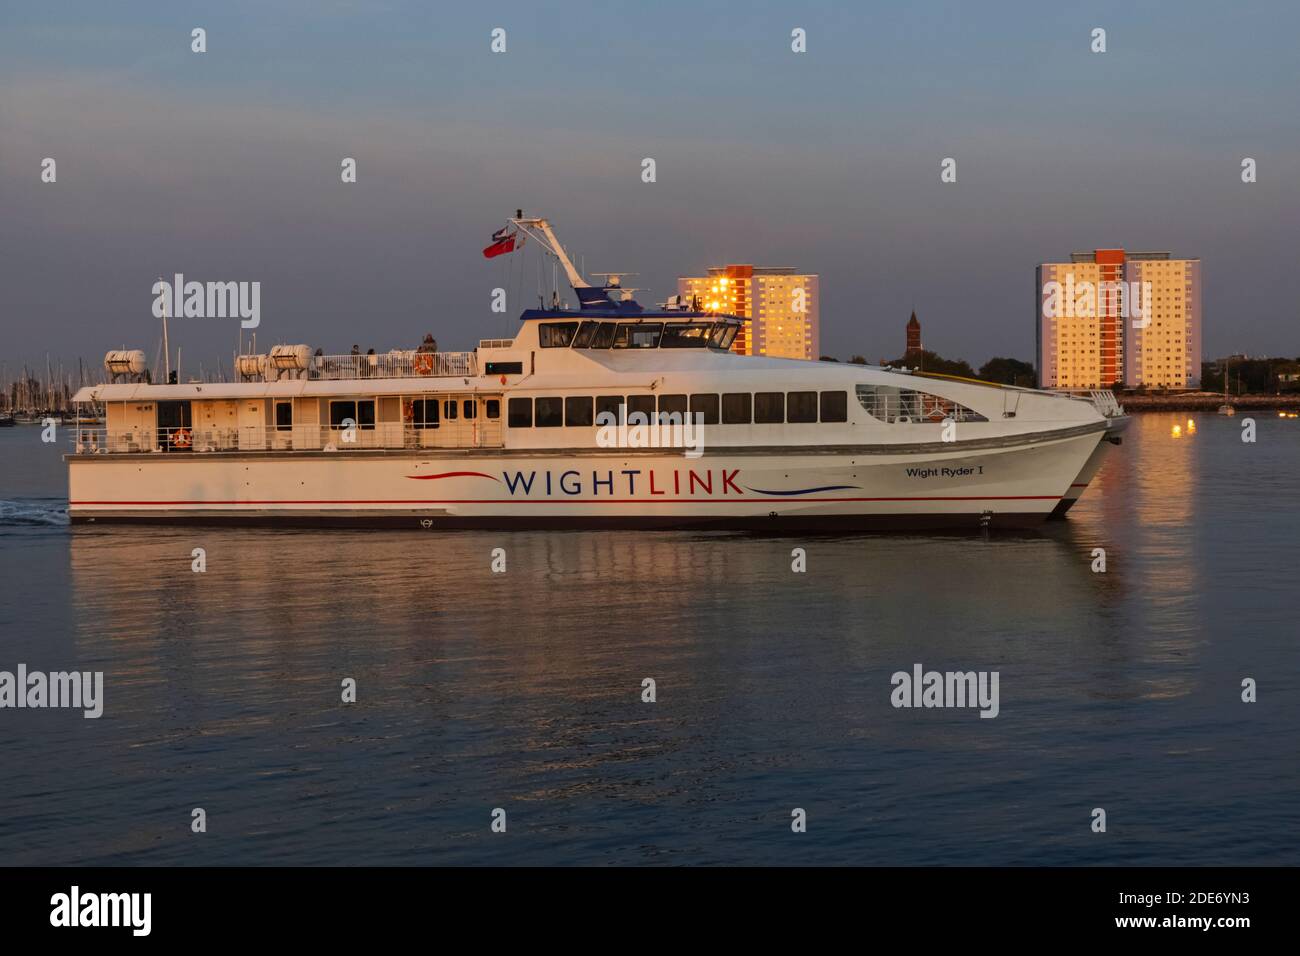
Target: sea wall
{"points": [[1198, 402]]}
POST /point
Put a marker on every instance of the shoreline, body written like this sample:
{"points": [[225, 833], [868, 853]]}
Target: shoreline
{"points": [[1206, 403]]}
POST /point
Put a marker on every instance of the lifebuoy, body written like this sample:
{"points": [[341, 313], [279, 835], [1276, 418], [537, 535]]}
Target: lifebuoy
{"points": [[936, 412], [424, 363], [181, 438]]}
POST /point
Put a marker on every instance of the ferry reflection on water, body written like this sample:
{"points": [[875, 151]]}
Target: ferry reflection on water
{"points": [[523, 689]]}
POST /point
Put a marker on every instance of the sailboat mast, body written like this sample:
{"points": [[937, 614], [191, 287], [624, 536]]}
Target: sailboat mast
{"points": [[166, 345]]}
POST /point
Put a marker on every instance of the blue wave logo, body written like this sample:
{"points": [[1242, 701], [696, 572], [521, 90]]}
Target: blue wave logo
{"points": [[802, 491]]}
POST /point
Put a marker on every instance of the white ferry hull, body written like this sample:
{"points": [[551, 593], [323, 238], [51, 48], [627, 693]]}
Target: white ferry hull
{"points": [[1114, 428], [1003, 484]]}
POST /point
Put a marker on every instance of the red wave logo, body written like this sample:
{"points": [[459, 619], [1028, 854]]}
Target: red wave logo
{"points": [[454, 474]]}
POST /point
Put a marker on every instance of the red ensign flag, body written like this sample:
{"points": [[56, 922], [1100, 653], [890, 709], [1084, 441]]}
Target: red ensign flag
{"points": [[501, 244]]}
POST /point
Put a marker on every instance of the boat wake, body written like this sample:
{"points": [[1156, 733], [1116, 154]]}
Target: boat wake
{"points": [[33, 513]]}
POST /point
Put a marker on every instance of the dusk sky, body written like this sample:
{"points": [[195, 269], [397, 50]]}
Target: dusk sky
{"points": [[225, 165]]}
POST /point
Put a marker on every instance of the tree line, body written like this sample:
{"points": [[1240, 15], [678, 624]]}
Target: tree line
{"points": [[1003, 371]]}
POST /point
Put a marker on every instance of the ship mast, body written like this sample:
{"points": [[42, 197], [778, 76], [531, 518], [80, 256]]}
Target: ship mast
{"points": [[546, 236]]}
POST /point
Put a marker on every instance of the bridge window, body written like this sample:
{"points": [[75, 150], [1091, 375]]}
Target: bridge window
{"points": [[801, 407], [723, 335], [638, 335], [520, 413], [769, 408], [557, 335], [586, 332], [690, 335], [736, 408], [424, 413], [504, 368], [604, 337], [706, 406], [549, 412], [577, 411], [835, 406]]}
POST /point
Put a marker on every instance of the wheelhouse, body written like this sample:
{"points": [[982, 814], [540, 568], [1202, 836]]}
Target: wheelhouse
{"points": [[650, 332]]}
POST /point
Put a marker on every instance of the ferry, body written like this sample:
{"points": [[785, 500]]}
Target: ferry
{"points": [[610, 415]]}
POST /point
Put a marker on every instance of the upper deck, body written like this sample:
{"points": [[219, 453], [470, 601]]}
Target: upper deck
{"points": [[547, 388]]}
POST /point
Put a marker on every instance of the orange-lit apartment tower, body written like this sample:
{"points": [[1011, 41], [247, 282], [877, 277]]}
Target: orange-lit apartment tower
{"points": [[1092, 326], [782, 307]]}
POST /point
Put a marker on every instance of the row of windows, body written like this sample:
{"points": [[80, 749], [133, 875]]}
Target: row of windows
{"points": [[732, 408], [422, 413], [885, 403], [430, 412], [637, 335]]}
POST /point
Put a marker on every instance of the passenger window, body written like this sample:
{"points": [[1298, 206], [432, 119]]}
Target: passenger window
{"points": [[424, 413], [735, 408], [835, 406], [493, 408], [577, 411], [449, 410], [769, 408], [643, 405], [470, 409], [557, 335], [362, 413], [284, 416], [705, 406], [801, 407], [550, 412], [609, 405], [341, 412], [672, 405], [520, 411]]}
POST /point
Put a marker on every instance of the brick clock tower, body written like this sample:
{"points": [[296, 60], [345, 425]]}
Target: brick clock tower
{"points": [[913, 336]]}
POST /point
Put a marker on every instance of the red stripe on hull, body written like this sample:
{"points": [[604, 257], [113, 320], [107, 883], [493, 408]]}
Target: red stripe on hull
{"points": [[569, 501]]}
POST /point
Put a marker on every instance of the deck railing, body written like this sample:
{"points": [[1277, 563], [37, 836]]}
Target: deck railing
{"points": [[890, 403], [404, 364], [1105, 402]]}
